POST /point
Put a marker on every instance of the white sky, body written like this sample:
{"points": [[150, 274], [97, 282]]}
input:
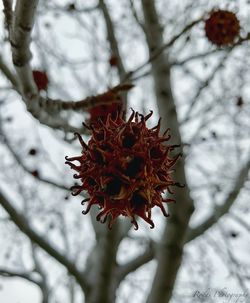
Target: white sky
{"points": [[14, 290]]}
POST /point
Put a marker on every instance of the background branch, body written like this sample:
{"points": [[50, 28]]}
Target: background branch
{"points": [[4, 272], [21, 222], [170, 249], [224, 208]]}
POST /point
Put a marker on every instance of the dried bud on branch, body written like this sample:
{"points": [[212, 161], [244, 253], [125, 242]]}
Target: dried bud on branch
{"points": [[41, 80]]}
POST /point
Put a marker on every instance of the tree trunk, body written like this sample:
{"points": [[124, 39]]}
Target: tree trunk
{"points": [[170, 249]]}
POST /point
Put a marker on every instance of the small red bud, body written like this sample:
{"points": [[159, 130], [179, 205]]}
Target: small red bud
{"points": [[35, 173], [113, 61], [41, 79]]}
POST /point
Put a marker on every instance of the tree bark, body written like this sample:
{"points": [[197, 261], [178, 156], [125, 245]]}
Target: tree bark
{"points": [[101, 267], [170, 250]]}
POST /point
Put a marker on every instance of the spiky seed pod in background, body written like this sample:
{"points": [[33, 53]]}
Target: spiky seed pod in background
{"points": [[125, 168], [222, 27], [108, 103], [102, 111], [41, 79]]}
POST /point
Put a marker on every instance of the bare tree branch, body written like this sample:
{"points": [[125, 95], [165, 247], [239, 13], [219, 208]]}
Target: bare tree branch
{"points": [[4, 272], [101, 266], [20, 38], [109, 96], [43, 109], [7, 4], [21, 222], [211, 52], [236, 268], [9, 74], [20, 42], [39, 279], [136, 263], [26, 169], [159, 50], [222, 209], [239, 220], [44, 282], [111, 38], [203, 85], [170, 249], [46, 110], [51, 106], [135, 15], [114, 46], [22, 165], [219, 211]]}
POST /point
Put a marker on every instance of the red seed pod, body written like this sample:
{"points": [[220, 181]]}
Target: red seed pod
{"points": [[41, 80], [111, 104], [222, 27], [113, 61], [102, 111], [125, 168]]}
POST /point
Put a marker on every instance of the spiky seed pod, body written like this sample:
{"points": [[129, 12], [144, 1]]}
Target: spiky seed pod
{"points": [[222, 27], [125, 168], [110, 103], [102, 111], [41, 79]]}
